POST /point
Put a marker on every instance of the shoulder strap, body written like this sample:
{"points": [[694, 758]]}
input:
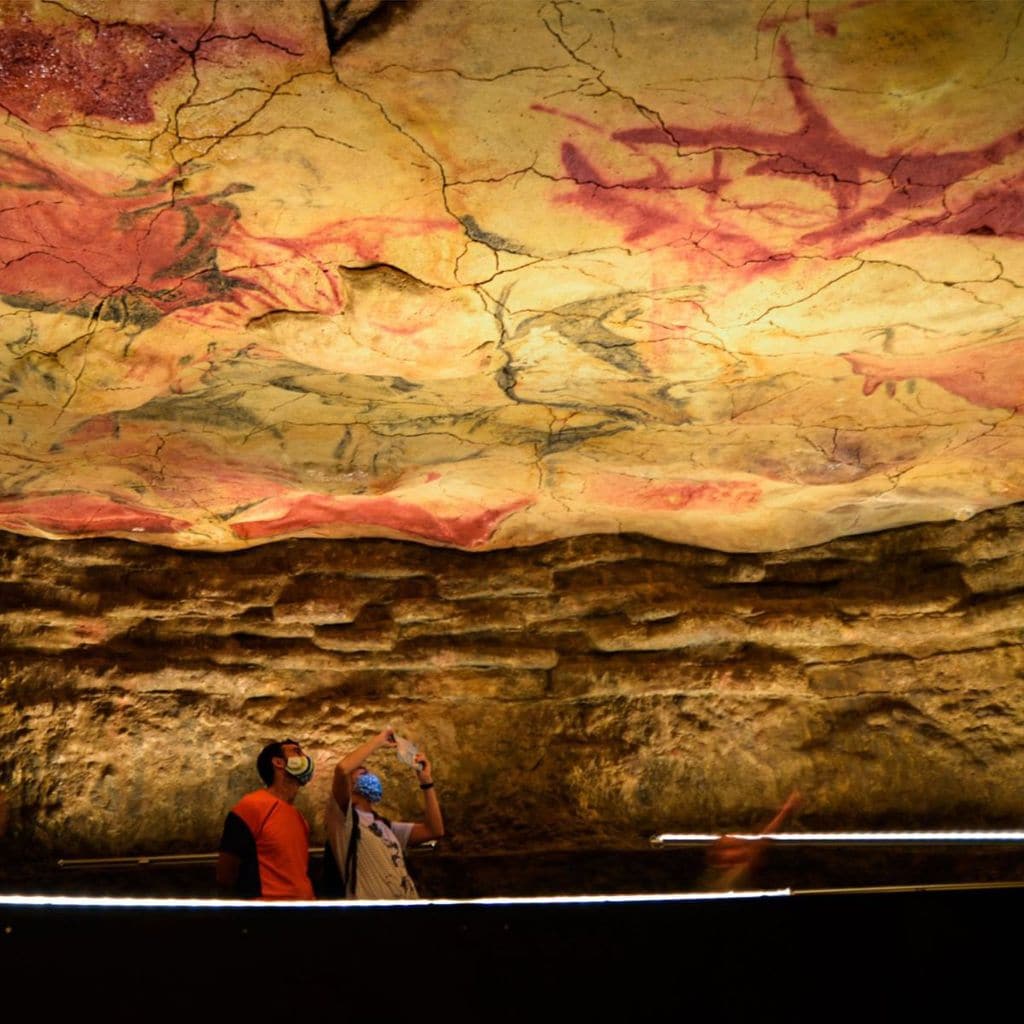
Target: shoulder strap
{"points": [[352, 853]]}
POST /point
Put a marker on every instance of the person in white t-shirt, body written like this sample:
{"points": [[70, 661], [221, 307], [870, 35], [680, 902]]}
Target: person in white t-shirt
{"points": [[365, 858]]}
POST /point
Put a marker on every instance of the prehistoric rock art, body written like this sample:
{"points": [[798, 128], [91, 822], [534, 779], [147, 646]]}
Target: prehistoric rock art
{"points": [[486, 275], [991, 376], [495, 276]]}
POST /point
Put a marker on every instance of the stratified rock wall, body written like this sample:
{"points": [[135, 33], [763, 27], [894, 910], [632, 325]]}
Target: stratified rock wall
{"points": [[579, 694]]}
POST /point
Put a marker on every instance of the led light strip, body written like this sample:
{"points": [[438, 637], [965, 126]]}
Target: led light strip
{"points": [[102, 902], [1007, 836]]}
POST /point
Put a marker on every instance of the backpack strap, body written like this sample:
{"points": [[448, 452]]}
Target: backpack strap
{"points": [[352, 853]]}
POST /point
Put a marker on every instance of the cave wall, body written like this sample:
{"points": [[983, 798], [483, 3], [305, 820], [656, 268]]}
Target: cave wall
{"points": [[580, 694], [301, 295]]}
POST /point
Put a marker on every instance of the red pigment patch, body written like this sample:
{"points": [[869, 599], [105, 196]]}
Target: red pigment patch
{"points": [[404, 331], [51, 76], [78, 515], [543, 108], [644, 213], [369, 237], [874, 195], [641, 217], [990, 376], [287, 273], [66, 245], [314, 511], [94, 429], [730, 496], [58, 74], [217, 485], [995, 210], [144, 252], [184, 472], [149, 251]]}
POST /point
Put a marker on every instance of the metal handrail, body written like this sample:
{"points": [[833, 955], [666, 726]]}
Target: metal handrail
{"points": [[666, 839], [183, 859]]}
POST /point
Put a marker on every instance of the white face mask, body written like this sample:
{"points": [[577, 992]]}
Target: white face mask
{"points": [[300, 768]]}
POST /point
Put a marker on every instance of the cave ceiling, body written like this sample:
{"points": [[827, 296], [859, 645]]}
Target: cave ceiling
{"points": [[742, 275]]}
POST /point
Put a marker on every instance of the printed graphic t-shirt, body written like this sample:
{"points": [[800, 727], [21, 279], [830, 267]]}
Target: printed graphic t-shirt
{"points": [[379, 863]]}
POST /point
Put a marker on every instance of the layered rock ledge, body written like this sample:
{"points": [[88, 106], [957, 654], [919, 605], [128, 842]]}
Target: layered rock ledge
{"points": [[578, 695]]}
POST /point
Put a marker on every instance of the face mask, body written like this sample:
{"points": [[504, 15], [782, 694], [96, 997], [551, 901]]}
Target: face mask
{"points": [[369, 786], [300, 768]]}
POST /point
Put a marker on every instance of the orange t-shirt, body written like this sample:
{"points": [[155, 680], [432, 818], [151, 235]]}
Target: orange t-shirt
{"points": [[282, 845]]}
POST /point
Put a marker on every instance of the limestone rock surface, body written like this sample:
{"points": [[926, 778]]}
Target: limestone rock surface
{"points": [[575, 696], [482, 274]]}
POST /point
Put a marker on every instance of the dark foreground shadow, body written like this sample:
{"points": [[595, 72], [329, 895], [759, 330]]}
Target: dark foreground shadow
{"points": [[803, 957]]}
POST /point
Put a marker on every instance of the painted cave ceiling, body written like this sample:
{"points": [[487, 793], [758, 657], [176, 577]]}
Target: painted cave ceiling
{"points": [[485, 274]]}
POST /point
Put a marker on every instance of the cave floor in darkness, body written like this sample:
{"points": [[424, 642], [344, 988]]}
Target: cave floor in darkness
{"points": [[820, 957]]}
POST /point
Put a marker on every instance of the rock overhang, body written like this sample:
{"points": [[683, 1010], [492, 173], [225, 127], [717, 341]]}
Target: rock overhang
{"points": [[490, 275]]}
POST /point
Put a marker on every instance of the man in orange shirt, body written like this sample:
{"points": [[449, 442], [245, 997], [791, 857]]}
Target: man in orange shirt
{"points": [[264, 849]]}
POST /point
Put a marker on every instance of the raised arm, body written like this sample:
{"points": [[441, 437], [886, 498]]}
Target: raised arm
{"points": [[792, 802], [432, 827], [733, 859], [350, 762]]}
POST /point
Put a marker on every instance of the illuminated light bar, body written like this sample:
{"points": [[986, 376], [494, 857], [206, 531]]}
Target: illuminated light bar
{"points": [[839, 838], [110, 902]]}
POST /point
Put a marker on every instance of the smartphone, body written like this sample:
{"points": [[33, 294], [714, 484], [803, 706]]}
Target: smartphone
{"points": [[406, 750]]}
